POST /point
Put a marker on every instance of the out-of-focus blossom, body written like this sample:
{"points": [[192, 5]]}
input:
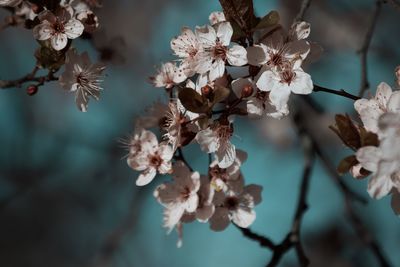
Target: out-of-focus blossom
{"points": [[11, 3], [82, 77]]}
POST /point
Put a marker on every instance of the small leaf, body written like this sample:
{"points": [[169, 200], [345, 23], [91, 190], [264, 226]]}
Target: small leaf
{"points": [[271, 19], [240, 11], [346, 164], [368, 138], [347, 131], [220, 93], [193, 101]]}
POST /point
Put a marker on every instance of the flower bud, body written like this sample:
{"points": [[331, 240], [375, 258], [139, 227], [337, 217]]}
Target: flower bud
{"points": [[32, 90], [206, 90], [247, 91], [397, 72]]}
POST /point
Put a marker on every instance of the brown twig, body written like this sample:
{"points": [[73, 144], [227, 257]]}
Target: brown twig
{"points": [[293, 238], [30, 77], [340, 92], [365, 48]]}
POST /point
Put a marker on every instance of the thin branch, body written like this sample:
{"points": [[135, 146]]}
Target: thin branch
{"points": [[181, 157], [30, 77], [340, 92], [365, 47], [262, 240], [304, 6]]}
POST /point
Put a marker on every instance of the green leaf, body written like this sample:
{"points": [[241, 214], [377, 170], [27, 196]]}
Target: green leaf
{"points": [[271, 19], [193, 101]]}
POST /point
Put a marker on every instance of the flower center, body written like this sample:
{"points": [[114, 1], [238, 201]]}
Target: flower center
{"points": [[155, 161], [185, 193], [276, 59], [82, 80], [59, 27], [220, 51], [287, 76], [231, 203]]}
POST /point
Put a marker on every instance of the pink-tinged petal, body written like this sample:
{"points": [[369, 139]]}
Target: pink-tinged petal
{"points": [[59, 41], [216, 17], [224, 33], [192, 203], [298, 48], [146, 177], [300, 30], [207, 140], [172, 216], [184, 43], [204, 62], [279, 96], [239, 84], [217, 70], [47, 15], [166, 152], [206, 35], [74, 28], [226, 155], [256, 55], [255, 192], [220, 219], [266, 80], [237, 55], [166, 194], [394, 102], [396, 202], [255, 107], [302, 84], [368, 157], [243, 217], [369, 112], [379, 186], [43, 31], [383, 94]]}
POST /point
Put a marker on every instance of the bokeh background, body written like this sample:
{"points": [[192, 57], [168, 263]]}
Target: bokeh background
{"points": [[68, 199]]}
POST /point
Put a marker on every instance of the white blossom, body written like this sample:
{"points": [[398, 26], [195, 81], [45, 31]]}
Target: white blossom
{"points": [[57, 28], [238, 208], [180, 195], [82, 77], [216, 139], [150, 157], [228, 179], [216, 17], [370, 110], [383, 161], [168, 76], [280, 84], [216, 52]]}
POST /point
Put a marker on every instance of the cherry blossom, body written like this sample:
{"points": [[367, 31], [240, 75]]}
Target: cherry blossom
{"points": [[168, 76], [280, 84], [57, 28], [82, 77], [216, 139], [235, 207], [370, 110], [216, 52], [180, 195], [149, 157], [216, 17]]}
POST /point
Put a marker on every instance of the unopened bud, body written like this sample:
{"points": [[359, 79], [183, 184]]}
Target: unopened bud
{"points": [[32, 90], [206, 90], [247, 91]]}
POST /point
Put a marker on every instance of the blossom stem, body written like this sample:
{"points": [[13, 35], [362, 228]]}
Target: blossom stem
{"points": [[180, 156], [304, 6], [341, 92]]}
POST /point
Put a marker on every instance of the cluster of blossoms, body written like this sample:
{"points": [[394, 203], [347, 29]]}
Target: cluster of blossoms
{"points": [[54, 25], [205, 95], [376, 143]]}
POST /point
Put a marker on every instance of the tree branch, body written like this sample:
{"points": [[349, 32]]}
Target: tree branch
{"points": [[304, 6], [340, 92], [365, 47], [30, 77]]}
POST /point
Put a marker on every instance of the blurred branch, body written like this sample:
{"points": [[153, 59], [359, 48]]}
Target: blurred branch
{"points": [[365, 47], [394, 3], [30, 77], [304, 6], [293, 238], [340, 92]]}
